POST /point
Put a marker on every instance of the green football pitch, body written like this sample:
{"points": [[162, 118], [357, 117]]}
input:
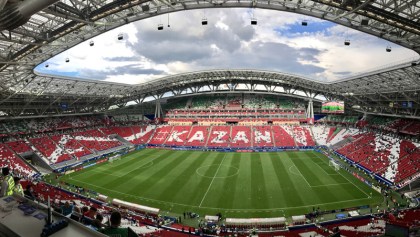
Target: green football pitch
{"points": [[234, 184]]}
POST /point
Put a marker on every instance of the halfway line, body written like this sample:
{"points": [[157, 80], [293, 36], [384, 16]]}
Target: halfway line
{"points": [[208, 189]]}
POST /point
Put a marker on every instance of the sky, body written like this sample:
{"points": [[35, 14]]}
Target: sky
{"points": [[278, 43]]}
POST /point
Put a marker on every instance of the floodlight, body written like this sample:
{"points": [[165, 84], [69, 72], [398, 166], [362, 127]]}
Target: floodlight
{"points": [[253, 21], [91, 43], [304, 23], [145, 8], [47, 65], [204, 21], [346, 42], [120, 36], [388, 49], [364, 22], [67, 60], [160, 27]]}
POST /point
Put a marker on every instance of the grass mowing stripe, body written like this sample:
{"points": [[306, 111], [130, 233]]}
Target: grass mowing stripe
{"points": [[132, 158], [273, 187], [215, 175], [305, 171], [132, 176], [258, 189], [228, 193], [242, 189], [157, 175], [313, 170], [357, 186], [180, 179], [178, 187], [291, 194], [187, 193], [334, 177], [213, 159]]}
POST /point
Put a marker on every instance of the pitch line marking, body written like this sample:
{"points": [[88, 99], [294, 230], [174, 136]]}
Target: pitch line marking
{"points": [[146, 165], [216, 208], [315, 186], [300, 173], [354, 185], [322, 168], [326, 185], [211, 177], [103, 172], [208, 189]]}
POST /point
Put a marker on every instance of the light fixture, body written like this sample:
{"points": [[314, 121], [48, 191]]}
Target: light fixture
{"points": [[67, 60], [120, 36], [347, 42], [91, 43], [388, 49], [204, 21], [47, 65], [364, 22], [145, 8], [253, 21], [304, 23], [160, 27]]}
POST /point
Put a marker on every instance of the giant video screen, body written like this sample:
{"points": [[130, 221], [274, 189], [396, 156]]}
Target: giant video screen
{"points": [[333, 107]]}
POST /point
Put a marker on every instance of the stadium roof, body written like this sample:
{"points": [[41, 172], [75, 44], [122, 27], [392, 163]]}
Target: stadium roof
{"points": [[33, 31]]}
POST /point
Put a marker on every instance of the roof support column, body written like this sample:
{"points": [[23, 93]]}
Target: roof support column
{"points": [[158, 108], [310, 112]]}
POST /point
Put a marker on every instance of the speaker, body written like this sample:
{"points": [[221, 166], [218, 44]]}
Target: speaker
{"points": [[304, 23], [160, 27], [253, 22], [145, 8], [204, 22], [364, 22]]}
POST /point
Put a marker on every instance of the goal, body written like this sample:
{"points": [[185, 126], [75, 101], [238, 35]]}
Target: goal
{"points": [[335, 165], [112, 158]]}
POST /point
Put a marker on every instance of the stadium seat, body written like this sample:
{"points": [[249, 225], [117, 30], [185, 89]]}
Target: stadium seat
{"points": [[178, 136], [161, 134], [142, 134], [71, 145], [51, 151], [262, 136], [283, 138], [11, 160], [220, 136], [19, 146], [198, 136], [241, 137], [95, 140]]}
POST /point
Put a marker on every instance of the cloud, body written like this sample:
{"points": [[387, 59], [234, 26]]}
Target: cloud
{"points": [[279, 43]]}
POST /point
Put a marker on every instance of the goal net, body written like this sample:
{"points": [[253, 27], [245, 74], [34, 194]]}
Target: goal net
{"points": [[334, 165], [112, 158]]}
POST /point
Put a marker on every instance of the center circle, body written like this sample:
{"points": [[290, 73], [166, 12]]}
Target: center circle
{"points": [[217, 171]]}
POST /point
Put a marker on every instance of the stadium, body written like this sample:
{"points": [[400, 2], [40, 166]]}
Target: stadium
{"points": [[209, 129]]}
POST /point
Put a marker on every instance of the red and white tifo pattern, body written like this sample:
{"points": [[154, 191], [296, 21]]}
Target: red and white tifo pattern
{"points": [[233, 136]]}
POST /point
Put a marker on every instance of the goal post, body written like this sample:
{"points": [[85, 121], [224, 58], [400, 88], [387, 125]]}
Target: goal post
{"points": [[335, 165]]}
